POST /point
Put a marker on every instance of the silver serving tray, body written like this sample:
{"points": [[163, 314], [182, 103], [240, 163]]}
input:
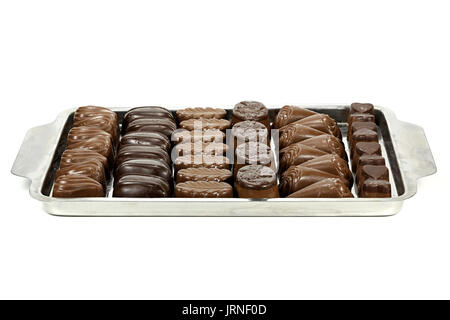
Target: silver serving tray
{"points": [[404, 146]]}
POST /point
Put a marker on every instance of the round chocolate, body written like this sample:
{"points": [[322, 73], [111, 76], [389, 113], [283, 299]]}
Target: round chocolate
{"points": [[248, 130], [256, 177], [253, 153], [250, 110]]}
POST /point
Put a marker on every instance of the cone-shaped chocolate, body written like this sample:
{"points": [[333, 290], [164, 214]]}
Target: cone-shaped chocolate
{"points": [[296, 133], [333, 164], [328, 188], [298, 153], [289, 114], [299, 177], [328, 144], [321, 122]]}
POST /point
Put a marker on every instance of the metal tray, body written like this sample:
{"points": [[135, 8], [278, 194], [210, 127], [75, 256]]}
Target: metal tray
{"points": [[404, 146]]}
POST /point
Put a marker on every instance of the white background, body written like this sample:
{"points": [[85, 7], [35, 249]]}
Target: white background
{"points": [[56, 55]]}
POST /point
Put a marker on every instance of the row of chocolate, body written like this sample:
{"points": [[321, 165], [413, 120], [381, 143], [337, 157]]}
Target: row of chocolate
{"points": [[313, 160], [372, 175], [86, 163], [143, 164], [201, 166], [254, 163]]}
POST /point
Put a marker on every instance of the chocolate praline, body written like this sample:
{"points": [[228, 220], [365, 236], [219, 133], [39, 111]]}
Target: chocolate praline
{"points": [[130, 152], [254, 153], [144, 167], [77, 186], [375, 189], [256, 181], [135, 186], [327, 188], [249, 131], [299, 177], [197, 113], [154, 139], [91, 168], [204, 174], [357, 107], [203, 189], [251, 110], [164, 126], [289, 114], [321, 122]]}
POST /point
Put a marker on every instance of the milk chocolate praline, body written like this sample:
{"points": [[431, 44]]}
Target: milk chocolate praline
{"points": [[204, 174], [361, 117], [197, 161], [186, 136], [205, 124], [299, 177], [251, 110], [200, 113], [333, 164], [375, 189], [255, 153], [289, 114], [371, 172], [91, 168], [256, 181], [211, 148], [249, 131], [321, 122], [365, 148], [203, 189], [361, 108], [327, 188], [100, 144], [77, 186], [362, 135], [76, 156], [298, 153], [356, 125], [295, 132], [105, 123]]}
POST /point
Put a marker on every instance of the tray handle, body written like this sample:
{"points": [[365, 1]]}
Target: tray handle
{"points": [[416, 157], [36, 154]]}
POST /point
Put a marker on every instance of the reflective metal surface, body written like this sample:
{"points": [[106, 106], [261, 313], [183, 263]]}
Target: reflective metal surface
{"points": [[404, 146]]}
